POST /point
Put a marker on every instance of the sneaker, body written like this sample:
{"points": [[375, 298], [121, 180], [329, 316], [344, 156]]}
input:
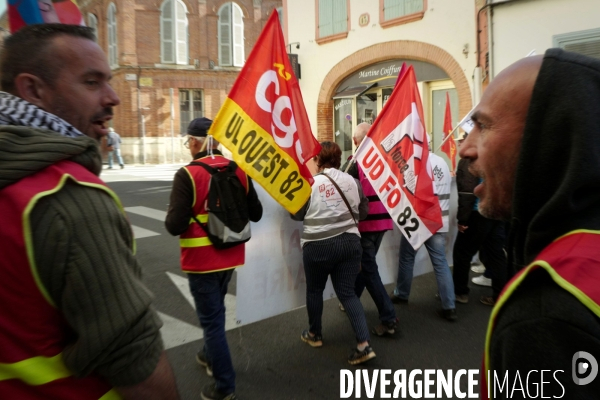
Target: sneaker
{"points": [[314, 341], [122, 166], [210, 392], [478, 269], [201, 359], [341, 307], [487, 300], [462, 298], [358, 357], [482, 281], [397, 300], [449, 315], [385, 328]]}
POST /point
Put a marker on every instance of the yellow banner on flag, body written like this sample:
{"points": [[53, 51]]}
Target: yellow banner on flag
{"points": [[256, 152], [264, 124]]}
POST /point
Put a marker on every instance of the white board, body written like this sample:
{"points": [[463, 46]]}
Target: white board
{"points": [[272, 281]]}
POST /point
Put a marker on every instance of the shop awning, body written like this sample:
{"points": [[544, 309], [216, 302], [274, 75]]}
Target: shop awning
{"points": [[354, 91]]}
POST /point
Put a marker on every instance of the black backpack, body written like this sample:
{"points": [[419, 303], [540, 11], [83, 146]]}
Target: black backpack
{"points": [[228, 224]]}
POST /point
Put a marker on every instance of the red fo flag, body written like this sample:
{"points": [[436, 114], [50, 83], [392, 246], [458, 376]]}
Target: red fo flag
{"points": [[264, 124], [394, 156], [449, 146]]}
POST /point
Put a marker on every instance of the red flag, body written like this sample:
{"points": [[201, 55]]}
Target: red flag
{"points": [[264, 124], [394, 156], [449, 147], [401, 73]]}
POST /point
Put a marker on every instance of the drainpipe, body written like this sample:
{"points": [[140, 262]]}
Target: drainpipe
{"points": [[488, 6], [141, 116], [172, 129]]}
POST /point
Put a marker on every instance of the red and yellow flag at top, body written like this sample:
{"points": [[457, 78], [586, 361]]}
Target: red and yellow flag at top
{"points": [[449, 146], [394, 156], [264, 124]]}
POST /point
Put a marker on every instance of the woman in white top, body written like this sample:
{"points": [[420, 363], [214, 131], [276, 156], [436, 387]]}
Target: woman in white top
{"points": [[331, 247]]}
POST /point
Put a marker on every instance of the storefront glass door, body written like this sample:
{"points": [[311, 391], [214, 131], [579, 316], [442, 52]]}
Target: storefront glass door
{"points": [[436, 111], [342, 125]]}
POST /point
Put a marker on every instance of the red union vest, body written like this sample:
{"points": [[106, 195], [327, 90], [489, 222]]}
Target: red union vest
{"points": [[33, 332], [198, 255], [564, 259]]}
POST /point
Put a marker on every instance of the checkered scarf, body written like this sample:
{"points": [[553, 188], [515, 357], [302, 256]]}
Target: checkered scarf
{"points": [[16, 111]]}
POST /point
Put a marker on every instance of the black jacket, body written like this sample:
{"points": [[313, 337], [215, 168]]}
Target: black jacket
{"points": [[465, 183]]}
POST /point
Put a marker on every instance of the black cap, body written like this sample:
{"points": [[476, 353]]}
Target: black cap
{"points": [[199, 127]]}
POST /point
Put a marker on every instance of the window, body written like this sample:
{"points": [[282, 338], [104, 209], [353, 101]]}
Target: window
{"points": [[111, 25], [231, 35], [434, 107], [582, 42], [332, 19], [190, 107], [93, 23], [342, 125], [395, 12], [280, 13], [174, 33]]}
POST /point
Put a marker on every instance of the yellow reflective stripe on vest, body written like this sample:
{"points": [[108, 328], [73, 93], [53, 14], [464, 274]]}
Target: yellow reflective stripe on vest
{"points": [[112, 395], [203, 218], [195, 242], [36, 370]]}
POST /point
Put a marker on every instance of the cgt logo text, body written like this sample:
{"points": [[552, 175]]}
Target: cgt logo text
{"points": [[433, 384]]}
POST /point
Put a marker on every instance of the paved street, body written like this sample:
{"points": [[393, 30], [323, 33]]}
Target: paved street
{"points": [[270, 360]]}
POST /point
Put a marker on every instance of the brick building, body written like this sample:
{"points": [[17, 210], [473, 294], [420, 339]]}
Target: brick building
{"points": [[172, 61]]}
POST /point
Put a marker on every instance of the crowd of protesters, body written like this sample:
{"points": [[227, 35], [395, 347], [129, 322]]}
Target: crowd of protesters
{"points": [[80, 323]]}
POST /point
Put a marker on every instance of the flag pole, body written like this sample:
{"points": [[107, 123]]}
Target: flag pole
{"points": [[462, 121], [448, 137], [531, 53]]}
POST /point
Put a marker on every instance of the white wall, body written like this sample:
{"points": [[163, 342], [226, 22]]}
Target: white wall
{"points": [[446, 24], [525, 25]]}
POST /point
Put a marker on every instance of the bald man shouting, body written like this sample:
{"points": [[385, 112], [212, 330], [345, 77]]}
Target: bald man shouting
{"points": [[536, 145]]}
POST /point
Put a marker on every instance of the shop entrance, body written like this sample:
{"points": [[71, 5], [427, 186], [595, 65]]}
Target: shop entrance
{"points": [[361, 96], [434, 105]]}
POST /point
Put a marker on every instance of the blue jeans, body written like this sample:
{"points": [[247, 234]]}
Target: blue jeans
{"points": [[209, 295], [369, 276], [436, 247], [110, 157]]}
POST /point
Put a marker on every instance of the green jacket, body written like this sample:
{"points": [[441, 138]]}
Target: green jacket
{"points": [[88, 268]]}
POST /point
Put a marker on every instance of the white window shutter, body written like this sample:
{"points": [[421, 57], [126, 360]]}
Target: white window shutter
{"points": [[325, 18], [181, 33], [238, 36], [166, 32], [340, 16], [112, 35], [225, 35], [399, 8], [590, 48], [93, 23]]}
